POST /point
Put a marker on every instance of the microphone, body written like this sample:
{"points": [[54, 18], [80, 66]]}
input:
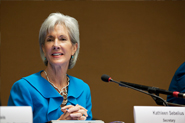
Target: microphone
{"points": [[106, 78], [150, 89], [157, 99]]}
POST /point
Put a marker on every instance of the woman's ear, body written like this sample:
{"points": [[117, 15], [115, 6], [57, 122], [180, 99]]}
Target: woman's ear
{"points": [[74, 48], [43, 49]]}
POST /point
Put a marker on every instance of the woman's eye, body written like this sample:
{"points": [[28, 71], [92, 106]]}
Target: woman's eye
{"points": [[49, 39], [63, 39]]}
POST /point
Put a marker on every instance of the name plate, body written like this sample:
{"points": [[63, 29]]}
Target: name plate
{"points": [[159, 114], [16, 114]]}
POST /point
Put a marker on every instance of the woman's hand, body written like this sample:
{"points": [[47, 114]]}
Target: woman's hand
{"points": [[73, 113]]}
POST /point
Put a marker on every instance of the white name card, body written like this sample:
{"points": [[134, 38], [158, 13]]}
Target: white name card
{"points": [[16, 114], [159, 114]]}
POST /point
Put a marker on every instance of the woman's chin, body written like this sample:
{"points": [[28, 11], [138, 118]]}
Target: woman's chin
{"points": [[58, 63]]}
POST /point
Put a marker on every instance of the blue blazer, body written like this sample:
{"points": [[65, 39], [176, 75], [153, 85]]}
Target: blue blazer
{"points": [[178, 84], [37, 92]]}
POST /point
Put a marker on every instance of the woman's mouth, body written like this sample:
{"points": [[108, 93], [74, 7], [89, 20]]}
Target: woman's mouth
{"points": [[57, 54]]}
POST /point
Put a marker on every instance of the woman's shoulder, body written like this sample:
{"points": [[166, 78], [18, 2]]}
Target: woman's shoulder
{"points": [[34, 76], [74, 78], [29, 78], [77, 82], [77, 87]]}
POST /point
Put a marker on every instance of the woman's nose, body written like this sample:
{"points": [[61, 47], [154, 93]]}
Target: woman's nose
{"points": [[56, 45]]}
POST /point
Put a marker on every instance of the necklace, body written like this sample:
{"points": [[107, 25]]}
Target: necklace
{"points": [[63, 91]]}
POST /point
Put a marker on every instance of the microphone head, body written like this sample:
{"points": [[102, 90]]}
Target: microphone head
{"points": [[106, 78]]}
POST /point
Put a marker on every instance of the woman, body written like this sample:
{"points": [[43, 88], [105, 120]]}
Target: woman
{"points": [[52, 93]]}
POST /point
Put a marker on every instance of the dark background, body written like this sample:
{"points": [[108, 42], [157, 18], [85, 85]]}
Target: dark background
{"points": [[139, 42]]}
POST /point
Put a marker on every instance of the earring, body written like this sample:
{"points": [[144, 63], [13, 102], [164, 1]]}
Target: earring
{"points": [[72, 56]]}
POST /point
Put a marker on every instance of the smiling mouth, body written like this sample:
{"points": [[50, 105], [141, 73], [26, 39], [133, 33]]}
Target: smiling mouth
{"points": [[57, 54]]}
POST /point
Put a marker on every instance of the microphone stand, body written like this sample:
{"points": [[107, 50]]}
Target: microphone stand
{"points": [[157, 101]]}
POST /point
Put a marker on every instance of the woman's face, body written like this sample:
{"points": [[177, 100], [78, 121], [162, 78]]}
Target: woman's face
{"points": [[58, 47]]}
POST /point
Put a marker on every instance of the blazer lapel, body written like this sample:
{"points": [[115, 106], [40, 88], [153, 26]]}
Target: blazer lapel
{"points": [[75, 89], [46, 90]]}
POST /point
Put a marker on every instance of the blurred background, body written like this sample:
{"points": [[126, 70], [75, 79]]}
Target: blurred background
{"points": [[134, 41]]}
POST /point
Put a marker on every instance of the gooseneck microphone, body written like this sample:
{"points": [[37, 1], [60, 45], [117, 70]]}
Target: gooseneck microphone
{"points": [[140, 88], [157, 99], [150, 89]]}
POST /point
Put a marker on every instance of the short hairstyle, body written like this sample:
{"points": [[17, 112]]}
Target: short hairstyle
{"points": [[73, 30]]}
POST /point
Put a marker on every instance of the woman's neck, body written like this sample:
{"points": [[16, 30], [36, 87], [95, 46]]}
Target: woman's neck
{"points": [[57, 75]]}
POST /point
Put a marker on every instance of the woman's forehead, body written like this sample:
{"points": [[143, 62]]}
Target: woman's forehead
{"points": [[60, 28]]}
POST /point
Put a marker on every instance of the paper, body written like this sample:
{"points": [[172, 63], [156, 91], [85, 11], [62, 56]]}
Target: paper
{"points": [[16, 114]]}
